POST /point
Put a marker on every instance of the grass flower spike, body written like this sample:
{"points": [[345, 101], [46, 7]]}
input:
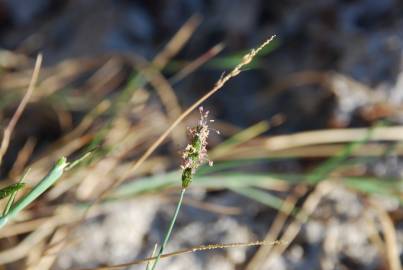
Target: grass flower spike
{"points": [[195, 153]]}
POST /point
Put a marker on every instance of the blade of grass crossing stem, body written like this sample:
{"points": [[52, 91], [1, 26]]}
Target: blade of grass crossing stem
{"points": [[391, 188], [9, 190], [240, 137], [229, 61], [41, 187], [260, 196], [10, 202], [151, 263], [54, 174], [323, 170]]}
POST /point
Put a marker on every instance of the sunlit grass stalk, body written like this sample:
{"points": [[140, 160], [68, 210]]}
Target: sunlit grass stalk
{"points": [[194, 155]]}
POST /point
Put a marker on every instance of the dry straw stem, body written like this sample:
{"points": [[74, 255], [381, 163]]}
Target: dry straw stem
{"points": [[389, 231], [186, 251], [309, 206], [198, 62], [333, 136], [219, 84], [320, 143], [177, 42], [164, 91], [27, 245], [22, 158], [41, 230], [314, 151], [20, 109], [275, 229]]}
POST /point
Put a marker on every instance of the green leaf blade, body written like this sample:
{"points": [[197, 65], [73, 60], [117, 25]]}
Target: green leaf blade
{"points": [[10, 190]]}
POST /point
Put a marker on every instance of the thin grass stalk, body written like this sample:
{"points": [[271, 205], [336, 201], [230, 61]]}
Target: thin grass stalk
{"points": [[169, 231]]}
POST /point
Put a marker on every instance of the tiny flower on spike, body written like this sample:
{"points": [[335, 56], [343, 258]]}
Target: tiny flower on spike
{"points": [[195, 153]]}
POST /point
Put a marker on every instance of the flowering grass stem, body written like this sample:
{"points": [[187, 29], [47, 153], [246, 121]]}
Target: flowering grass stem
{"points": [[169, 231]]}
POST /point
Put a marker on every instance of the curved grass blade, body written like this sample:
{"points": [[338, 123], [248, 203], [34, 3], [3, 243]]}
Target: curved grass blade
{"points": [[40, 188]]}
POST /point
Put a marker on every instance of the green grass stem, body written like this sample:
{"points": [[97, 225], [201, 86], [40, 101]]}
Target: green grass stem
{"points": [[169, 231]]}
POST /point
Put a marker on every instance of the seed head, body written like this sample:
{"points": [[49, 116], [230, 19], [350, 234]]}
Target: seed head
{"points": [[195, 153]]}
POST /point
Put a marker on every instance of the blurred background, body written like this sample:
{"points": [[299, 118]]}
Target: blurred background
{"points": [[309, 151]]}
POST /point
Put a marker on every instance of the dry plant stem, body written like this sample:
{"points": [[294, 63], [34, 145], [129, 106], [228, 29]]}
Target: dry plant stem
{"points": [[213, 208], [392, 249], [275, 229], [22, 227], [163, 88], [255, 150], [372, 231], [45, 262], [332, 136], [177, 42], [195, 64], [22, 249], [164, 91], [186, 251], [219, 84], [22, 158], [20, 109], [321, 190], [169, 231]]}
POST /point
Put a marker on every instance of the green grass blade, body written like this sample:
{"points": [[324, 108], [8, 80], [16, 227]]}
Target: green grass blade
{"points": [[260, 196], [12, 197], [40, 188], [10, 190]]}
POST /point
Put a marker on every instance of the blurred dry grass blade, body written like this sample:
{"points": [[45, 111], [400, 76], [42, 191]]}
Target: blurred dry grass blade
{"points": [[275, 229], [177, 42], [333, 136], [26, 245], [22, 158], [22, 227], [254, 149], [45, 261], [164, 91], [309, 206], [20, 109], [321, 143], [195, 64], [390, 237]]}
